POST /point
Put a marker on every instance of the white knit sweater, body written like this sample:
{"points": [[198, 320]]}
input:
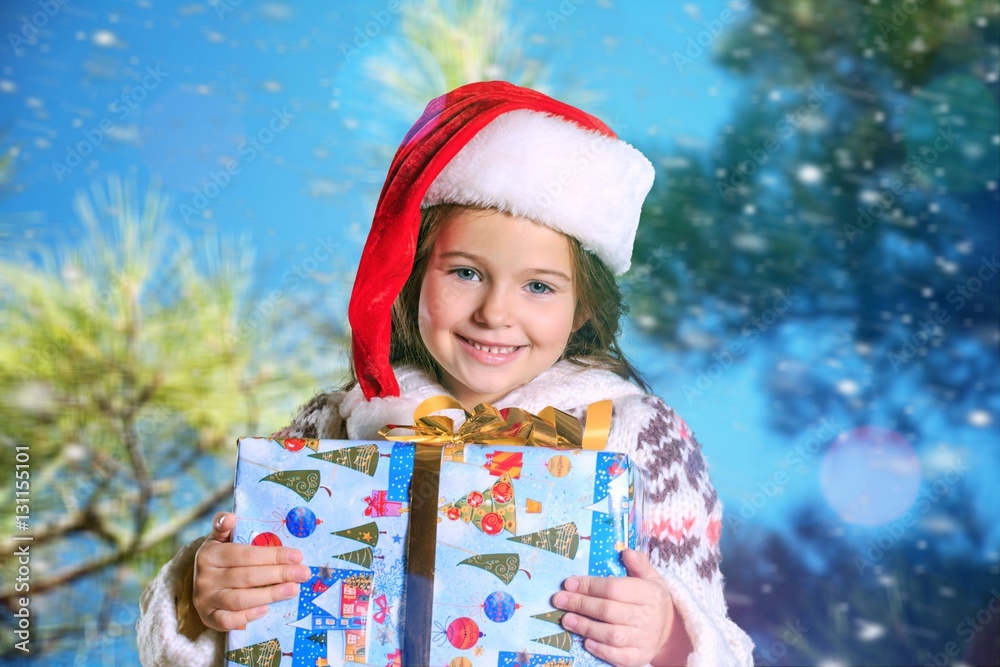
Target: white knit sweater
{"points": [[685, 514]]}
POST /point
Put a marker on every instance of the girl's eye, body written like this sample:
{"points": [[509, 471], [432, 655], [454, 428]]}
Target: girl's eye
{"points": [[537, 287], [465, 274]]}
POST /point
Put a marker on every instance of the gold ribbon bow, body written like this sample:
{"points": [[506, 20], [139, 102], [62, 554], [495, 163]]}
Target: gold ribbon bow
{"points": [[486, 426]]}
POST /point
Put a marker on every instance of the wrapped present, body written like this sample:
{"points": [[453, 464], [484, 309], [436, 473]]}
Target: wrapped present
{"points": [[469, 540], [495, 529], [344, 504]]}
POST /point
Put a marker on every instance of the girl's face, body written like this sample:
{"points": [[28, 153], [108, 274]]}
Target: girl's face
{"points": [[497, 303]]}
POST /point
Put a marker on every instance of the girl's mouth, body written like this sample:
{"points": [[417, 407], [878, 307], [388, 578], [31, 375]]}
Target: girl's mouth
{"points": [[490, 353]]}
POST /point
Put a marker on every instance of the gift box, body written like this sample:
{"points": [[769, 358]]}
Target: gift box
{"points": [[468, 542], [509, 525], [344, 505]]}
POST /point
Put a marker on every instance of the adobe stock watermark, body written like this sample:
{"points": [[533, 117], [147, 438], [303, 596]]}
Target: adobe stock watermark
{"points": [[750, 332], [820, 435], [967, 629], [223, 7], [578, 163], [94, 136], [566, 9], [876, 549], [641, 273], [901, 13], [696, 45], [248, 149], [99, 641], [929, 329], [363, 35], [881, 203], [27, 33], [792, 634], [787, 126], [58, 343], [290, 280], [104, 468]]}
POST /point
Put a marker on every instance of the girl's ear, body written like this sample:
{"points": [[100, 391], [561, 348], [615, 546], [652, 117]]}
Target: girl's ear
{"points": [[582, 317]]}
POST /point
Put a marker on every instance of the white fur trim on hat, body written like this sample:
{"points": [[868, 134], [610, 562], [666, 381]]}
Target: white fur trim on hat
{"points": [[533, 165]]}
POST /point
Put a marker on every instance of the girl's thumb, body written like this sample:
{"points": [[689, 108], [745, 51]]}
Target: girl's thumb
{"points": [[222, 527], [638, 565]]}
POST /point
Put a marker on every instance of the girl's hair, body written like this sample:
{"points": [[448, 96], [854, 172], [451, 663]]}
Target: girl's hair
{"points": [[599, 299]]}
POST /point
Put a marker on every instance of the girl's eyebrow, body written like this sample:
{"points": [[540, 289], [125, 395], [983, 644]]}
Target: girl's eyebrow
{"points": [[552, 272], [461, 253], [482, 260]]}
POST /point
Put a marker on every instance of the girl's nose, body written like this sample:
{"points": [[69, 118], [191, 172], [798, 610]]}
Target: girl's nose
{"points": [[494, 310]]}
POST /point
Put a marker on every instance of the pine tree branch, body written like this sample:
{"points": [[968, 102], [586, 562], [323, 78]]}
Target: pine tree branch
{"points": [[155, 536]]}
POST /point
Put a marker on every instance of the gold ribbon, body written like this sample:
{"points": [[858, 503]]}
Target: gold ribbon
{"points": [[486, 426]]}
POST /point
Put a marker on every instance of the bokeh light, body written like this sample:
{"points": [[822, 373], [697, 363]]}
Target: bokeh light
{"points": [[870, 475]]}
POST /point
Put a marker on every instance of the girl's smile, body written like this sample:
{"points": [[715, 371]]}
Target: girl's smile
{"points": [[497, 303], [491, 353]]}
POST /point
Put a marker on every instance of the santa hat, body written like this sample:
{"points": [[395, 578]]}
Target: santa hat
{"points": [[493, 145]]}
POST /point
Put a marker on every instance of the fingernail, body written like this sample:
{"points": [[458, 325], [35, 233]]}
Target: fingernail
{"points": [[257, 612], [295, 556], [571, 584], [559, 600], [218, 524], [569, 621], [303, 573], [287, 591]]}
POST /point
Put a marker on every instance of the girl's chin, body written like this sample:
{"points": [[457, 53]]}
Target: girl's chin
{"points": [[475, 393]]}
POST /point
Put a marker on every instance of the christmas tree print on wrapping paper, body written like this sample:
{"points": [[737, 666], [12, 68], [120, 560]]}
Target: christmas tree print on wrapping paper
{"points": [[264, 654], [561, 640], [491, 511], [366, 533], [551, 616], [561, 540], [502, 566], [362, 557], [363, 458], [303, 482]]}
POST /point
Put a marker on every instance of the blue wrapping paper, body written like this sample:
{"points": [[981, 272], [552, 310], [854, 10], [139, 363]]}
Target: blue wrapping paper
{"points": [[512, 524], [574, 511], [343, 504]]}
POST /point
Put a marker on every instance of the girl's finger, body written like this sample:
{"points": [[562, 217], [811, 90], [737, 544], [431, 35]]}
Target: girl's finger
{"points": [[623, 589], [222, 527], [618, 636], [598, 608], [260, 575], [243, 555], [626, 657], [638, 565], [245, 599], [226, 621]]}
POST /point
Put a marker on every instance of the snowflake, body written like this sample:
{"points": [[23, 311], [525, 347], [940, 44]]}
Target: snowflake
{"points": [[390, 576], [385, 635]]}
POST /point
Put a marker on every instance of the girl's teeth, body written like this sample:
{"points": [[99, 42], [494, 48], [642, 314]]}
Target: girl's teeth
{"points": [[493, 350]]}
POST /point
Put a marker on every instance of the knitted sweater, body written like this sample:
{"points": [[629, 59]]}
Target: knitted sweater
{"points": [[684, 514]]}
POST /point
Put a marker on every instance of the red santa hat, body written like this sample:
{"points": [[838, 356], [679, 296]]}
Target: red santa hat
{"points": [[493, 145]]}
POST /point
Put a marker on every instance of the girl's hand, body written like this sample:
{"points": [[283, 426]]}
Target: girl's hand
{"points": [[233, 583], [625, 621]]}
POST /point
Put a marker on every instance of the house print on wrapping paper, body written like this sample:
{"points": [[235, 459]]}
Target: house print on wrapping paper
{"points": [[514, 522], [317, 496]]}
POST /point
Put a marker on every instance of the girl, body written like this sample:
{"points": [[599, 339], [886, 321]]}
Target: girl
{"points": [[489, 275]]}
